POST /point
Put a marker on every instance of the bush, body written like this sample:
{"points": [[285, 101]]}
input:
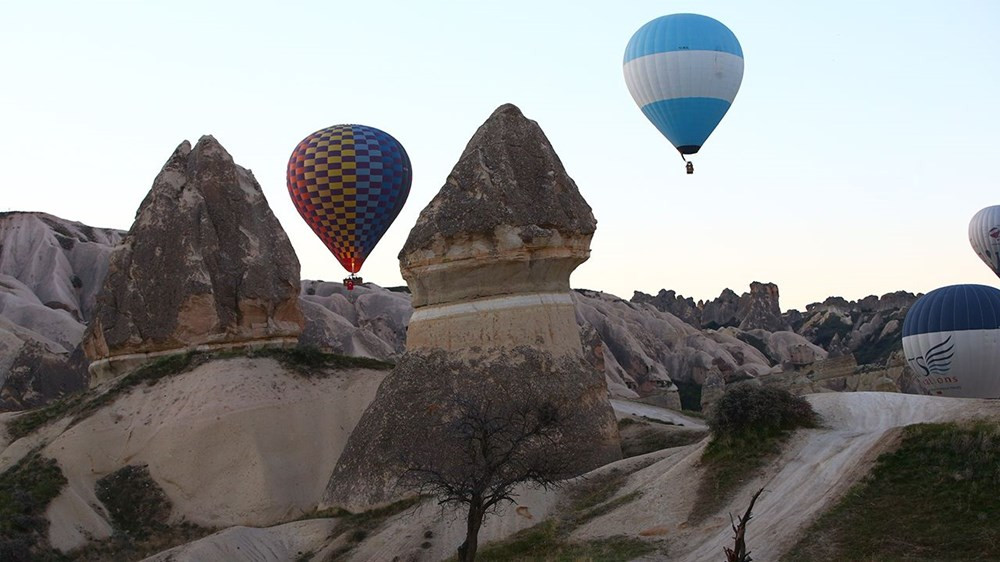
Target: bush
{"points": [[136, 503], [25, 492], [747, 410]]}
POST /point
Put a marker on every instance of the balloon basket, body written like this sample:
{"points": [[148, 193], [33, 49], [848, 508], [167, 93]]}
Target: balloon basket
{"points": [[351, 281], [690, 167]]}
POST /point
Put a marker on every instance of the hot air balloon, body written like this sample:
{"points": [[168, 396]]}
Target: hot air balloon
{"points": [[684, 71], [349, 183], [951, 338], [984, 235]]}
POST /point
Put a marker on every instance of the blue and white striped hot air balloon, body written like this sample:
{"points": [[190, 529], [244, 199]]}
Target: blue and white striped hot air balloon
{"points": [[684, 71], [951, 338]]}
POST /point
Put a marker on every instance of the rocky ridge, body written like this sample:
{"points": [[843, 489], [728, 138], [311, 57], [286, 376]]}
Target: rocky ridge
{"points": [[642, 345]]}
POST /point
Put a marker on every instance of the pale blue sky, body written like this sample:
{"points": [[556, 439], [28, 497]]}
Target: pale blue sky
{"points": [[862, 141]]}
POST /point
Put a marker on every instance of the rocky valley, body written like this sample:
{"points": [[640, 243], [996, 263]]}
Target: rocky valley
{"points": [[183, 395]]}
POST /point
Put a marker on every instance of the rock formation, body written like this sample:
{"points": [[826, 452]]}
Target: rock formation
{"points": [[367, 321], [488, 265], [722, 311], [498, 243], [205, 264], [50, 272], [759, 309], [669, 301], [63, 263]]}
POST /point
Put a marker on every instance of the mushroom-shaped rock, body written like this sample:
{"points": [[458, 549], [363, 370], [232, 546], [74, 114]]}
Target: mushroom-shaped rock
{"points": [[494, 322], [498, 244]]}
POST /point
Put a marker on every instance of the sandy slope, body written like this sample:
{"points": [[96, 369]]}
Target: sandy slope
{"points": [[248, 544], [817, 467], [232, 442], [653, 412], [263, 454]]}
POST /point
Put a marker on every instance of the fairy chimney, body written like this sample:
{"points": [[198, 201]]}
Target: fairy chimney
{"points": [[488, 265], [489, 259]]}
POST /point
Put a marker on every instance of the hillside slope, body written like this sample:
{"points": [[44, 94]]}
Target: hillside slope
{"points": [[239, 441], [656, 499]]}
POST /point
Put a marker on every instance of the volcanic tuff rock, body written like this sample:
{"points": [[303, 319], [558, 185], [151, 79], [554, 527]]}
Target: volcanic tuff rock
{"points": [[508, 220], [759, 309], [670, 301], [488, 265], [50, 272], [427, 388], [62, 262], [367, 321], [205, 263]]}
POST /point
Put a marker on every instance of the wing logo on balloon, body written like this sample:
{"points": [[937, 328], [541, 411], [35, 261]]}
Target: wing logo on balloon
{"points": [[937, 360]]}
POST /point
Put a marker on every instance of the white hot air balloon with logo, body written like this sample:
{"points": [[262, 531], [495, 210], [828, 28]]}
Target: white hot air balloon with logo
{"points": [[951, 338], [984, 235]]}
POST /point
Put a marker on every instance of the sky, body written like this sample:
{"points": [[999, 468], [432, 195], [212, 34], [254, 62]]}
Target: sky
{"points": [[862, 140]]}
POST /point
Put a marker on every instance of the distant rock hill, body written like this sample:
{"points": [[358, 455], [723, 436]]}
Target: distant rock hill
{"points": [[648, 346], [51, 270]]}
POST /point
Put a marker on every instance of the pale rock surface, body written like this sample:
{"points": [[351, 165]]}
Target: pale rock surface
{"points": [[290, 541], [206, 263], [367, 321], [232, 442], [50, 272], [63, 263]]}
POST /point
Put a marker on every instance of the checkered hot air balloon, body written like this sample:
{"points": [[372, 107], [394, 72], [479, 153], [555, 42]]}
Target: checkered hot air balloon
{"points": [[684, 70], [349, 183]]}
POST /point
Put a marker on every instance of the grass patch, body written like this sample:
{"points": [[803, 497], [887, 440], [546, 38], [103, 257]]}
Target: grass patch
{"points": [[26, 489], [589, 499], [139, 512], [545, 542], [355, 527], [728, 467], [936, 497], [749, 424], [310, 361], [136, 503], [306, 361], [643, 440]]}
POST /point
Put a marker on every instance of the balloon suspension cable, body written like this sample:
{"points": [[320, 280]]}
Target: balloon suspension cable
{"points": [[689, 166]]}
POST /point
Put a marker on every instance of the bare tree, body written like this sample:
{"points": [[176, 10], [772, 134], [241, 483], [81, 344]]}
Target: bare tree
{"points": [[739, 551], [484, 452]]}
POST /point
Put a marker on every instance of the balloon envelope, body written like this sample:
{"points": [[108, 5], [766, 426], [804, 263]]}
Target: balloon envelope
{"points": [[349, 183], [984, 235], [683, 70], [951, 338]]}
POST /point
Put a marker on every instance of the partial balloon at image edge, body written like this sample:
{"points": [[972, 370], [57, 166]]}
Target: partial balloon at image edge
{"points": [[951, 340]]}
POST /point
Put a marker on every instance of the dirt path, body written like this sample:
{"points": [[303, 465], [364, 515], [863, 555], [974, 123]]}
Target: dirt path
{"points": [[820, 465]]}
